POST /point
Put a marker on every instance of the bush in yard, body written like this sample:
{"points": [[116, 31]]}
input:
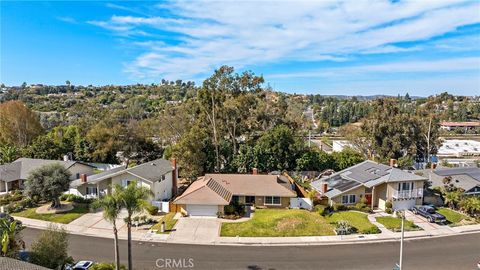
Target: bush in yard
{"points": [[388, 210], [48, 182], [229, 209], [371, 230], [339, 207], [342, 227], [321, 209], [152, 209], [106, 266], [388, 204], [50, 249]]}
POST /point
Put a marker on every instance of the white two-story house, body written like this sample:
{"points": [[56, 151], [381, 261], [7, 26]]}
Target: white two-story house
{"points": [[375, 182]]}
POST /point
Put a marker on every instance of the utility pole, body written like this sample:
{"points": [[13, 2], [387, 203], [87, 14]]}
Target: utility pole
{"points": [[309, 138], [401, 242]]}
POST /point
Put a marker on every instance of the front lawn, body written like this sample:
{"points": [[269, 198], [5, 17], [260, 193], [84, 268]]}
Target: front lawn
{"points": [[169, 223], [453, 217], [65, 218], [395, 224], [355, 219], [279, 223]]}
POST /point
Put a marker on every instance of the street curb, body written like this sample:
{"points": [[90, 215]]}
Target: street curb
{"points": [[246, 244]]}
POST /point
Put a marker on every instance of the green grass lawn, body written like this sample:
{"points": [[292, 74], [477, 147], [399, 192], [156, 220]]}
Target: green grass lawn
{"points": [[279, 223], [395, 224], [453, 217], [64, 218], [169, 223], [355, 219]]}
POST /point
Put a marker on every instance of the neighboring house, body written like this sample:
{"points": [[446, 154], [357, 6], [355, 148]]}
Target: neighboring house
{"points": [[10, 263], [467, 178], [160, 176], [13, 175], [208, 195], [375, 182], [460, 125]]}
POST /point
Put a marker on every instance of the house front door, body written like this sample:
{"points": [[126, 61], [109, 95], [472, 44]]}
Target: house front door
{"points": [[368, 197]]}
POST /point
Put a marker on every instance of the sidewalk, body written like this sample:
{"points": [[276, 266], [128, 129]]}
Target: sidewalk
{"points": [[145, 235]]}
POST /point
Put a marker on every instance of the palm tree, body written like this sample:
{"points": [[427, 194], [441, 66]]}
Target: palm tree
{"points": [[452, 198], [111, 205], [11, 241], [134, 200]]}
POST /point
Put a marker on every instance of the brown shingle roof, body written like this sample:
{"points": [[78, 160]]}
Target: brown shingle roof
{"points": [[219, 188]]}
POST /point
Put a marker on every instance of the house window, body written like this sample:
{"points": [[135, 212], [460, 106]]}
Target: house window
{"points": [[249, 199], [78, 176], [272, 200], [126, 182], [91, 191], [163, 178], [349, 199], [405, 186], [235, 199]]}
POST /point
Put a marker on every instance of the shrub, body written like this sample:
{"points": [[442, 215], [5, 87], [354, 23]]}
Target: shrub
{"points": [[339, 207], [342, 227], [388, 210], [388, 204], [321, 209], [152, 209], [106, 266], [371, 230], [229, 209]]}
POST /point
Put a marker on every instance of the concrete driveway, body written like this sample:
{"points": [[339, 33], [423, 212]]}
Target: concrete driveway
{"points": [[195, 230], [432, 228]]}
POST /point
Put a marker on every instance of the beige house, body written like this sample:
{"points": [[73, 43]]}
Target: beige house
{"points": [[13, 175], [375, 182], [160, 176], [208, 195]]}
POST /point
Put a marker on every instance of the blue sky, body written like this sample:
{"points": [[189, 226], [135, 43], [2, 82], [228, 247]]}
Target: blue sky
{"points": [[328, 47]]}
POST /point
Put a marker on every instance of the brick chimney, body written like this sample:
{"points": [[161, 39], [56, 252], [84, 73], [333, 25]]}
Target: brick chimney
{"points": [[83, 178], [393, 162], [254, 171], [324, 188], [174, 177]]}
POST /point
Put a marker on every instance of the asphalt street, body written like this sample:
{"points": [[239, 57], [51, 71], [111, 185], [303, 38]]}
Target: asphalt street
{"points": [[453, 252]]}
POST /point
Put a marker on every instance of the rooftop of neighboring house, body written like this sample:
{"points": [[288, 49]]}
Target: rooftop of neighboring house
{"points": [[9, 263], [367, 173], [464, 177], [20, 169], [218, 189], [149, 171], [459, 148], [460, 124]]}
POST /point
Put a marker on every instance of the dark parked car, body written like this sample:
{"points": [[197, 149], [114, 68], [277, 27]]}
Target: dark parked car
{"points": [[429, 213]]}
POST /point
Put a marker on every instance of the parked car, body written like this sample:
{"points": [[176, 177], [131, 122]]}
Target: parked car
{"points": [[429, 213], [81, 265]]}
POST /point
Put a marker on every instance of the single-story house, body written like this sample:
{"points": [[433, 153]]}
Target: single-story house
{"points": [[375, 182], [466, 178], [208, 195], [160, 176], [13, 175]]}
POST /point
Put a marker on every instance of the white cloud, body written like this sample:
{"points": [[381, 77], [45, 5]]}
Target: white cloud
{"points": [[452, 65], [208, 34]]}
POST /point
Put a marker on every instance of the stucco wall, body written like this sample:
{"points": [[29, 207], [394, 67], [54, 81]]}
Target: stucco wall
{"points": [[78, 169], [357, 192], [162, 190]]}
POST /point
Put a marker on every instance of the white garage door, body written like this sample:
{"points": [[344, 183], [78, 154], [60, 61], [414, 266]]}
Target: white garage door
{"points": [[202, 210], [403, 204]]}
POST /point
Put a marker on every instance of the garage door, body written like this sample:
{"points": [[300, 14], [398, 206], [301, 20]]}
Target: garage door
{"points": [[202, 210], [403, 204]]}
